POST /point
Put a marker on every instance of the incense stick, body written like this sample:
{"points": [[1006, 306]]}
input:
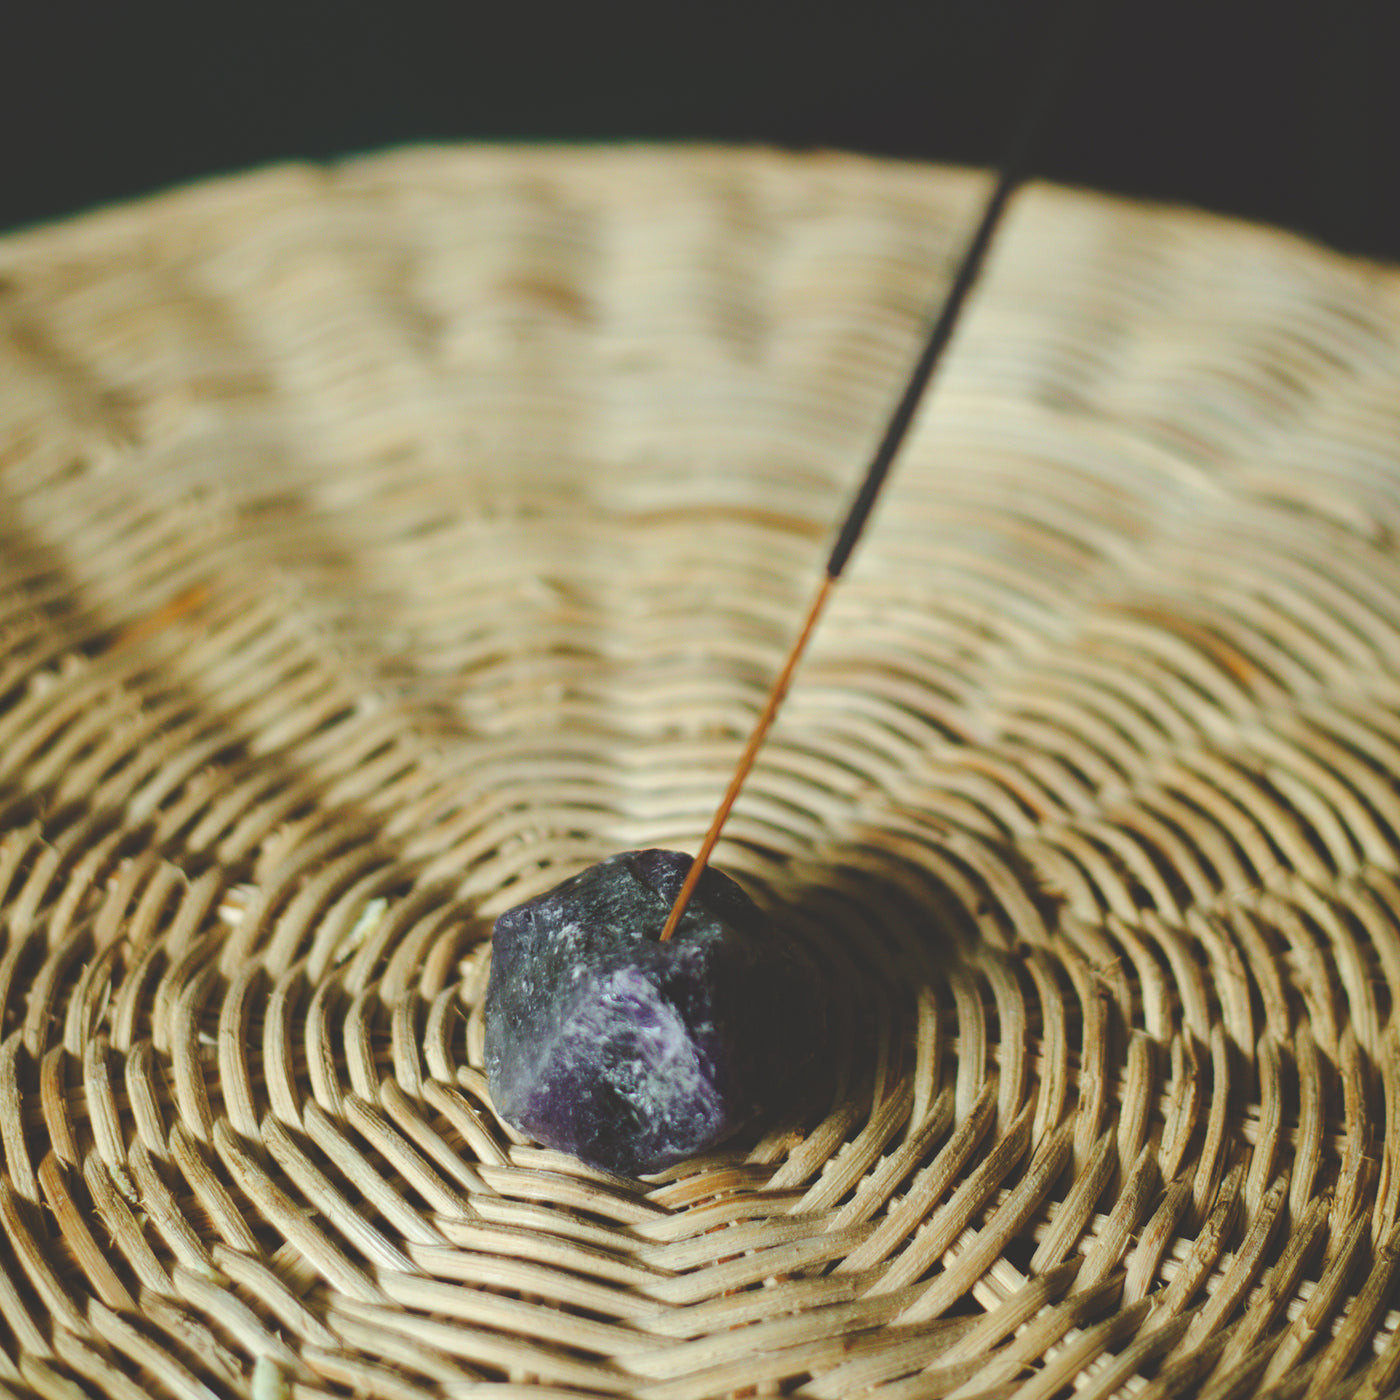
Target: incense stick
{"points": [[1054, 71]]}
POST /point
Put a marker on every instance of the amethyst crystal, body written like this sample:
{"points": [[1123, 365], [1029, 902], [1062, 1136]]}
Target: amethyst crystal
{"points": [[631, 1053]]}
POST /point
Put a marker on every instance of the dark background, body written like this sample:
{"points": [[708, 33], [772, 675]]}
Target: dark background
{"points": [[1287, 112]]}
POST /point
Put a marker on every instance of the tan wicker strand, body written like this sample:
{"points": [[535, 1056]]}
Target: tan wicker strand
{"points": [[381, 543]]}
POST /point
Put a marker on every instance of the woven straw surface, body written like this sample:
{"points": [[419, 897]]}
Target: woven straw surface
{"points": [[380, 546]]}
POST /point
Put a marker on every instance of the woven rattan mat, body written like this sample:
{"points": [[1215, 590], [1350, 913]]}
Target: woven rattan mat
{"points": [[382, 544]]}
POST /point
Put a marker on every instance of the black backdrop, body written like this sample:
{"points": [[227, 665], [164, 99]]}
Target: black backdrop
{"points": [[1283, 111]]}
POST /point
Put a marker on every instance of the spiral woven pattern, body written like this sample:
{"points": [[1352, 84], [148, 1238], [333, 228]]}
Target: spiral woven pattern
{"points": [[380, 545]]}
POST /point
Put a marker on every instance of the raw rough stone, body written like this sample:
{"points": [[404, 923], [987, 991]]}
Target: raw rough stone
{"points": [[630, 1053]]}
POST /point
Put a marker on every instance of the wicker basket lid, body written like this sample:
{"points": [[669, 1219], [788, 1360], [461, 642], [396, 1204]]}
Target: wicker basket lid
{"points": [[381, 545]]}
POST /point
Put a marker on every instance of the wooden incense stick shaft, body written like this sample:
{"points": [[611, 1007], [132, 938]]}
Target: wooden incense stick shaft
{"points": [[746, 761]]}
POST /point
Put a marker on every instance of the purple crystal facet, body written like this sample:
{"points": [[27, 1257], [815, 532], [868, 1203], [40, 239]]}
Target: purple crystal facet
{"points": [[630, 1053]]}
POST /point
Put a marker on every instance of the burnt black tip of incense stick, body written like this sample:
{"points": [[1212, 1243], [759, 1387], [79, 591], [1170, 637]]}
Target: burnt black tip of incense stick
{"points": [[1065, 43], [934, 347]]}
